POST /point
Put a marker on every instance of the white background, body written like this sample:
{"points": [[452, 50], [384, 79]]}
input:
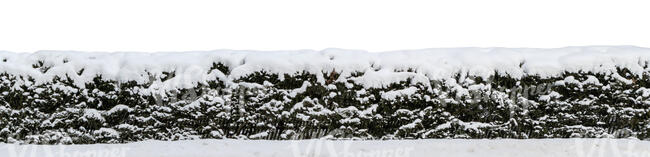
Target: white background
{"points": [[374, 25]]}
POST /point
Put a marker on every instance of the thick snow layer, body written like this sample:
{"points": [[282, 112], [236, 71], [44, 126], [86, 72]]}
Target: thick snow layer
{"points": [[381, 68], [328, 148]]}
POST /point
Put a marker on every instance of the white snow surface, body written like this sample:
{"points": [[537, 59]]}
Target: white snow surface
{"points": [[381, 68], [329, 148]]}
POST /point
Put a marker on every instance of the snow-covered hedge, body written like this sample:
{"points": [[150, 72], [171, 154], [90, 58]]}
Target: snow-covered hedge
{"points": [[76, 97]]}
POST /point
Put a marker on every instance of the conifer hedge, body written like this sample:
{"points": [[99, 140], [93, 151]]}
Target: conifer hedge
{"points": [[264, 106]]}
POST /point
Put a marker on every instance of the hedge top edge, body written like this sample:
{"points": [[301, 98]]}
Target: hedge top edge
{"points": [[380, 69]]}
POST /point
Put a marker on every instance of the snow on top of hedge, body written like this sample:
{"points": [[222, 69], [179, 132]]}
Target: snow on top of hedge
{"points": [[380, 68]]}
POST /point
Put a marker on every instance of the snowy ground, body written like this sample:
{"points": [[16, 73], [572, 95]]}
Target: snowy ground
{"points": [[318, 148]]}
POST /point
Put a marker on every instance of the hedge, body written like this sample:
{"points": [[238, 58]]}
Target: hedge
{"points": [[271, 106]]}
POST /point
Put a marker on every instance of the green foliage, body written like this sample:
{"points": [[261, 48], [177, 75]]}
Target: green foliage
{"points": [[300, 106]]}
